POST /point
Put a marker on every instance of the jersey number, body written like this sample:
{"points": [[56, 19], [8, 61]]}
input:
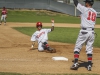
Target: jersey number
{"points": [[91, 16]]}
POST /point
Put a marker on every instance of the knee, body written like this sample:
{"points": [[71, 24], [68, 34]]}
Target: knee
{"points": [[41, 49]]}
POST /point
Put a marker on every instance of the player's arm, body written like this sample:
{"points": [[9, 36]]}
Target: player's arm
{"points": [[52, 28], [75, 2], [6, 12], [33, 39], [79, 6], [32, 46]]}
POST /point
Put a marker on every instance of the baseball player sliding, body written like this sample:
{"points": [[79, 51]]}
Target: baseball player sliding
{"points": [[3, 16], [41, 35], [86, 34]]}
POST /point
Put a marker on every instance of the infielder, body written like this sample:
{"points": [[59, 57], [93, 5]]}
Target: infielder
{"points": [[3, 16], [86, 34], [41, 35]]}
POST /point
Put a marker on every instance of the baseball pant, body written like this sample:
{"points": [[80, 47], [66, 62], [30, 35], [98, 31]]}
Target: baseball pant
{"points": [[3, 17], [86, 37]]}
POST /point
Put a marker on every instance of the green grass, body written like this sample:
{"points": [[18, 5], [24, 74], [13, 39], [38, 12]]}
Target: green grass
{"points": [[8, 73], [34, 16], [61, 34], [43, 16]]}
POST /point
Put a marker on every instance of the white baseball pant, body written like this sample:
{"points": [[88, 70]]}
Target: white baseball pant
{"points": [[88, 39]]}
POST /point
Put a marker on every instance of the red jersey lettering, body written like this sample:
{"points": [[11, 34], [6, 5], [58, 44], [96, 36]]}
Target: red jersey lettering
{"points": [[40, 34], [91, 16]]}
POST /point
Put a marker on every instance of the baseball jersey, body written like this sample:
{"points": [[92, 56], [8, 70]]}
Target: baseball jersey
{"points": [[41, 36], [88, 16], [4, 12]]}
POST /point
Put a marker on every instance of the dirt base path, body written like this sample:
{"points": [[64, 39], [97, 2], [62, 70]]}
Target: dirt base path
{"points": [[15, 57]]}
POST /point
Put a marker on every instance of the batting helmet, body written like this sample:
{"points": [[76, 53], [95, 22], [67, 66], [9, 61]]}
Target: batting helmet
{"points": [[39, 24], [90, 1]]}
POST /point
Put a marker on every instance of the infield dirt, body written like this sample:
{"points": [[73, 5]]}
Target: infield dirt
{"points": [[16, 57]]}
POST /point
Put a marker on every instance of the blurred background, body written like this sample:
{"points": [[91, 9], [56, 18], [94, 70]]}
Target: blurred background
{"points": [[62, 6]]}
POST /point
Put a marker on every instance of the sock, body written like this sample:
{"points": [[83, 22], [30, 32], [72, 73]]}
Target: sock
{"points": [[76, 56], [89, 56], [45, 45]]}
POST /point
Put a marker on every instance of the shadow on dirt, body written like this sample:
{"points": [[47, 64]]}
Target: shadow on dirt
{"points": [[82, 63]]}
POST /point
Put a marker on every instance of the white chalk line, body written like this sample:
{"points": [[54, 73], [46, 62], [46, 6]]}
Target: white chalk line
{"points": [[23, 60]]}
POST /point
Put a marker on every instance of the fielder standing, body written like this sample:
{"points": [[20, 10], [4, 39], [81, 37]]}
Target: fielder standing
{"points": [[41, 36], [3, 16], [86, 34]]}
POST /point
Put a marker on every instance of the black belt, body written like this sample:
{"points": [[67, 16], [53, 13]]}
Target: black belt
{"points": [[87, 28]]}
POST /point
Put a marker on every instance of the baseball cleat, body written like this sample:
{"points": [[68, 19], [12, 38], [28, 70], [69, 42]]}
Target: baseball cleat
{"points": [[51, 50], [89, 67], [74, 66]]}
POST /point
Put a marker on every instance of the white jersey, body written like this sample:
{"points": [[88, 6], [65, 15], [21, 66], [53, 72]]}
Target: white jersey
{"points": [[88, 16], [41, 36]]}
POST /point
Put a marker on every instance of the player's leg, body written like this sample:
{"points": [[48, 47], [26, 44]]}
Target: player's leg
{"points": [[4, 19], [1, 19], [75, 64], [40, 47], [48, 48], [89, 50], [44, 47], [89, 67], [78, 46]]}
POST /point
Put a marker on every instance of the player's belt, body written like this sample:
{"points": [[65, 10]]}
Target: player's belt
{"points": [[87, 28]]}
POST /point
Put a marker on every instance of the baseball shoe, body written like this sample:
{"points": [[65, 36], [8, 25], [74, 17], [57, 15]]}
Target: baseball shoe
{"points": [[74, 66], [51, 50], [89, 67]]}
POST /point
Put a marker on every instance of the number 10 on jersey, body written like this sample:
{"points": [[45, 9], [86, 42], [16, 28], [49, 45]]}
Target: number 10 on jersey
{"points": [[91, 16]]}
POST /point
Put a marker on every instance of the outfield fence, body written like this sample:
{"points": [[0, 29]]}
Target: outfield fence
{"points": [[45, 5]]}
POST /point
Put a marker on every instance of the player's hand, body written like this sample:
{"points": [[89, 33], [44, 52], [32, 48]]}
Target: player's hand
{"points": [[32, 47], [52, 21]]}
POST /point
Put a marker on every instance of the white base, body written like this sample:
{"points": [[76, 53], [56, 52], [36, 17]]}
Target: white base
{"points": [[60, 58]]}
